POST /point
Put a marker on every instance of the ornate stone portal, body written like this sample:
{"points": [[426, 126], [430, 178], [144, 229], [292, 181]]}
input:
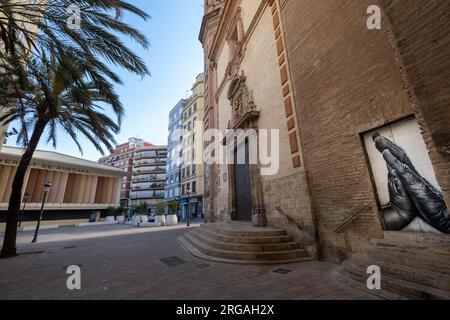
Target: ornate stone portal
{"points": [[243, 126]]}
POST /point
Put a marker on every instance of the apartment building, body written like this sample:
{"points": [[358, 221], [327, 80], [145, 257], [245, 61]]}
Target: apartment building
{"points": [[148, 180], [123, 158], [192, 169], [174, 147]]}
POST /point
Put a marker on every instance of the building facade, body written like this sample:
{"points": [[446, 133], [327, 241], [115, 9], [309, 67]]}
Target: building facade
{"points": [[174, 147], [210, 24], [79, 187], [361, 95], [247, 97], [148, 180], [123, 158], [192, 168], [357, 108]]}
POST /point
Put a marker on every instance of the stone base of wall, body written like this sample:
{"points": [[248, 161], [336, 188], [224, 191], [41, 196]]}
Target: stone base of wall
{"points": [[289, 197]]}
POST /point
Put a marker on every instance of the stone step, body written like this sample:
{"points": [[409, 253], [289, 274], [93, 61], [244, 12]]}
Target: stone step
{"points": [[397, 286], [409, 258], [199, 254], [417, 238], [245, 247], [339, 273], [402, 272], [425, 249], [245, 240], [237, 255], [249, 234]]}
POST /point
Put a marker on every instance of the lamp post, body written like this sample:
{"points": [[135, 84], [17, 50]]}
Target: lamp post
{"points": [[25, 200], [188, 189], [47, 187]]}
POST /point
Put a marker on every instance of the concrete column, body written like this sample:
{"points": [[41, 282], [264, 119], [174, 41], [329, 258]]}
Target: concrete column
{"points": [[80, 188], [4, 176], [93, 190], [108, 190], [100, 190], [49, 177], [7, 193], [36, 192], [62, 188], [25, 181], [55, 187], [116, 190], [69, 188], [31, 181], [87, 189]]}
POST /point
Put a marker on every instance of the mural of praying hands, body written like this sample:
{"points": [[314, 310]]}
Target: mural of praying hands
{"points": [[410, 194]]}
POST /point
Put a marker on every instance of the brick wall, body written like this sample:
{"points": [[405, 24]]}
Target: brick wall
{"points": [[421, 39], [346, 80]]}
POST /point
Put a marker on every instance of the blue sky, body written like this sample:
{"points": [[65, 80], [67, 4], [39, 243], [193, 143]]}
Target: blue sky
{"points": [[174, 58]]}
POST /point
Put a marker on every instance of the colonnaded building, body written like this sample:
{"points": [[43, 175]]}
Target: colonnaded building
{"points": [[359, 91], [80, 189]]}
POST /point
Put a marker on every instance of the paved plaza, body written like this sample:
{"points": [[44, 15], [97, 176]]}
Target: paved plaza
{"points": [[124, 262]]}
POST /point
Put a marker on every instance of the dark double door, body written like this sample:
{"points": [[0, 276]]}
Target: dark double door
{"points": [[242, 183]]}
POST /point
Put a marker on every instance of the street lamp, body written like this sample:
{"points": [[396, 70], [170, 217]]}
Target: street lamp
{"points": [[188, 189], [25, 200], [47, 187]]}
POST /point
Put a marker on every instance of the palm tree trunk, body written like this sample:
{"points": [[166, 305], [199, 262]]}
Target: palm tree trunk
{"points": [[9, 248]]}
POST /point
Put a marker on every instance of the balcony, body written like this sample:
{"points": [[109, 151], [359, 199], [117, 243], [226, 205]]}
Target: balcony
{"points": [[149, 186], [147, 195]]}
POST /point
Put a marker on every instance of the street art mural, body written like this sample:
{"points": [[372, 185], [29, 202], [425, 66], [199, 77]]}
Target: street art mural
{"points": [[406, 184]]}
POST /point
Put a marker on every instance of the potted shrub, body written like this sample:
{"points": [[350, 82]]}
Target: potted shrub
{"points": [[172, 217], [119, 215], [160, 218], [111, 217], [141, 213]]}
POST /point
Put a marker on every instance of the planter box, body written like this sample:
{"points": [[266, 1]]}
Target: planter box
{"points": [[172, 220], [120, 219], [161, 220]]}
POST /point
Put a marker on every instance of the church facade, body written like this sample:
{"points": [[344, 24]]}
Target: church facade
{"points": [[361, 118]]}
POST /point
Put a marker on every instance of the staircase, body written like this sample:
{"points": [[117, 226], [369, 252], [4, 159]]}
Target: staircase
{"points": [[415, 266], [240, 243]]}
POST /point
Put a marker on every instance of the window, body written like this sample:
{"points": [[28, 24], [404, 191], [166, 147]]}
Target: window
{"points": [[194, 168], [183, 188], [195, 107], [194, 187]]}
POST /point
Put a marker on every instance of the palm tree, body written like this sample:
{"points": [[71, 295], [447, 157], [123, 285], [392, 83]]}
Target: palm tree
{"points": [[55, 78], [45, 24]]}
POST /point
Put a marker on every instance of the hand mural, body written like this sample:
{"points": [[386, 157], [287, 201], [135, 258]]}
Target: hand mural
{"points": [[410, 194]]}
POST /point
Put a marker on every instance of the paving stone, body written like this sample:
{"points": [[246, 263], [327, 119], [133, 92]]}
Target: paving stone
{"points": [[123, 262]]}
